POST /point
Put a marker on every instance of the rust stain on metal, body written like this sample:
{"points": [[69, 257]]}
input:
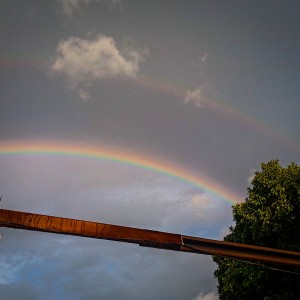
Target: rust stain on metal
{"points": [[146, 238]]}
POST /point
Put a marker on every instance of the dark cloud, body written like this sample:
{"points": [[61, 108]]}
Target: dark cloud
{"points": [[81, 268]]}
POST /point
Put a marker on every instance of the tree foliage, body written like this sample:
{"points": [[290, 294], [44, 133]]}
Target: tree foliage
{"points": [[270, 217]]}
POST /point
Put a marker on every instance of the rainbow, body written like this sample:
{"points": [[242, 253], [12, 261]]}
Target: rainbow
{"points": [[124, 157], [223, 109], [178, 92]]}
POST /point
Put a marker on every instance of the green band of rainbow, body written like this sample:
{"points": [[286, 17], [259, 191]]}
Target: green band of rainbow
{"points": [[133, 159]]}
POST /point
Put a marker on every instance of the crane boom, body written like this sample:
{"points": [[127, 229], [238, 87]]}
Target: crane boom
{"points": [[146, 238]]}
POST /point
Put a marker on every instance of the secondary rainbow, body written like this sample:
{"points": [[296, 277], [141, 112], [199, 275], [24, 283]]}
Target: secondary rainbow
{"points": [[125, 157], [176, 91]]}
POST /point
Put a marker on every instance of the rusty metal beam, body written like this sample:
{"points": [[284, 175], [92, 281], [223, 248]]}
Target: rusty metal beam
{"points": [[146, 238]]}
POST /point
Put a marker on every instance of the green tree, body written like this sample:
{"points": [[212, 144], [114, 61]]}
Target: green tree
{"points": [[270, 217]]}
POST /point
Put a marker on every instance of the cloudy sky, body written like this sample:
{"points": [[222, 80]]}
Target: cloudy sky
{"points": [[209, 87]]}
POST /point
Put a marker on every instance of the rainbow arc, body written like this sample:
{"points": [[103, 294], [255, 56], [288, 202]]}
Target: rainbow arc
{"points": [[124, 157]]}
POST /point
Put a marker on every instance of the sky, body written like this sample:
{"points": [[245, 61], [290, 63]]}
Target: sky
{"points": [[150, 114]]}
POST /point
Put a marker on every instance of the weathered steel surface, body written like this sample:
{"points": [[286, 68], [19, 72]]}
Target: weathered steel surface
{"points": [[146, 238], [240, 251], [36, 222]]}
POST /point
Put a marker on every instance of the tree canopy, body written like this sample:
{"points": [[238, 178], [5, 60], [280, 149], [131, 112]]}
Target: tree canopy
{"points": [[269, 217]]}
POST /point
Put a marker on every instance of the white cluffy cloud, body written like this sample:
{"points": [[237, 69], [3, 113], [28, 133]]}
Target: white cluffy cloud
{"points": [[72, 7], [204, 58], [88, 60], [84, 95], [209, 296], [199, 96], [223, 232], [11, 265], [194, 97], [209, 211], [252, 175], [84, 61], [204, 207]]}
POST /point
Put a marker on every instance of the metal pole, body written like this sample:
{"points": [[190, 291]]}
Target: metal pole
{"points": [[146, 238]]}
